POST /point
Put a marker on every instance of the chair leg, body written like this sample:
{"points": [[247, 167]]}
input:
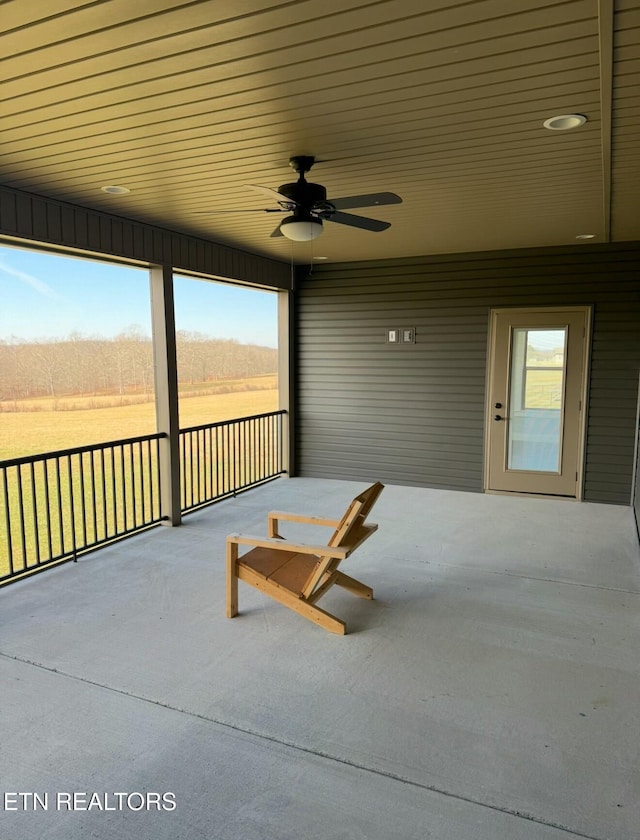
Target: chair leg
{"points": [[232, 579], [323, 619], [354, 586]]}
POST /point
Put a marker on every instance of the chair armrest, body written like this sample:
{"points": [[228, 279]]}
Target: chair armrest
{"points": [[301, 517], [282, 545], [276, 515]]}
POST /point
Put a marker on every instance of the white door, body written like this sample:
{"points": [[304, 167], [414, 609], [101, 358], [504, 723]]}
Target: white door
{"points": [[536, 395]]}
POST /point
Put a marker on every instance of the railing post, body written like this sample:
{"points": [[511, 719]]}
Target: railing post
{"points": [[166, 388]]}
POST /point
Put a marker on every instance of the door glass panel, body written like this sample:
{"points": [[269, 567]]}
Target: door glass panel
{"points": [[536, 390]]}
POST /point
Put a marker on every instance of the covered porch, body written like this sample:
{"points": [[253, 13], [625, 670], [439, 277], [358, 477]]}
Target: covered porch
{"points": [[489, 691]]}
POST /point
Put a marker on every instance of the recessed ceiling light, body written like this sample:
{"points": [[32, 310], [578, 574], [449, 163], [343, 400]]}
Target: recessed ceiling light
{"points": [[586, 236], [564, 122], [116, 190], [321, 258]]}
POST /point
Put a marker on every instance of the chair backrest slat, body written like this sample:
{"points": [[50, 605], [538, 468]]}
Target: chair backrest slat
{"points": [[349, 531], [356, 514]]}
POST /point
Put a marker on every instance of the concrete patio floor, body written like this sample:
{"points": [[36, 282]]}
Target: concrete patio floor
{"points": [[489, 691]]}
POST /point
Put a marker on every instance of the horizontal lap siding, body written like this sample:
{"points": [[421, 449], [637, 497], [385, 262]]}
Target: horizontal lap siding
{"points": [[414, 414]]}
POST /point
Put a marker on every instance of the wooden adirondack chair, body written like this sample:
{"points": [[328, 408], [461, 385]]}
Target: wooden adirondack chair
{"points": [[295, 574]]}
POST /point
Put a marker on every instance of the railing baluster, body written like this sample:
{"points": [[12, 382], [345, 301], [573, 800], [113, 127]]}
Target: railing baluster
{"points": [[208, 464], [193, 465], [59, 506], [226, 449], [34, 510], [72, 505], [238, 453], [151, 493], [113, 490], [103, 476], [94, 512], [132, 484], [83, 507], [123, 485], [7, 517], [183, 473], [193, 455], [201, 462], [47, 508], [242, 451], [246, 456], [219, 472], [143, 487], [21, 518], [234, 456], [141, 479]]}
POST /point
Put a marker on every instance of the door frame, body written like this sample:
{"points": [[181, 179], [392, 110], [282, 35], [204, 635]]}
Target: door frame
{"points": [[494, 312]]}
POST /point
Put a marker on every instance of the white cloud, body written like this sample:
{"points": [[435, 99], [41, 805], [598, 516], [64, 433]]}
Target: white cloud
{"points": [[39, 285]]}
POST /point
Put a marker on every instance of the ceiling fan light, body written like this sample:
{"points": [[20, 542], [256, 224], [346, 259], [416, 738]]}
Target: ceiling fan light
{"points": [[301, 230]]}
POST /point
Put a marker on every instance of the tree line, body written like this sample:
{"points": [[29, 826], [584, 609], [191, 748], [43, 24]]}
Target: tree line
{"points": [[83, 365]]}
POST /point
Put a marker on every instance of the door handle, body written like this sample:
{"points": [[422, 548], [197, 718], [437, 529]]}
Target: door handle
{"points": [[498, 417]]}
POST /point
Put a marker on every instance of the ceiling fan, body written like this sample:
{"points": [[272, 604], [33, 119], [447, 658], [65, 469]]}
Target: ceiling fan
{"points": [[309, 208]]}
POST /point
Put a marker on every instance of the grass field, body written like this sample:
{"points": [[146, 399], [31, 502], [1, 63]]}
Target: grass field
{"points": [[42, 428], [88, 483]]}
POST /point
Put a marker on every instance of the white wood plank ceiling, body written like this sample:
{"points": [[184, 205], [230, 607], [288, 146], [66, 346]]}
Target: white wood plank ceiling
{"points": [[443, 102]]}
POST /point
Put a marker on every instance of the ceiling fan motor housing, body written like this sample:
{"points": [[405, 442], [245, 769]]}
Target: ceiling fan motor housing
{"points": [[304, 193]]}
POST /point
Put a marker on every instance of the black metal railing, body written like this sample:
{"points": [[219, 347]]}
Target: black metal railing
{"points": [[59, 505], [56, 506], [222, 459]]}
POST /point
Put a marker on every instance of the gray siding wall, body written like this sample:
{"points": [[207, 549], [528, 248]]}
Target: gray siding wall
{"points": [[47, 221], [414, 414]]}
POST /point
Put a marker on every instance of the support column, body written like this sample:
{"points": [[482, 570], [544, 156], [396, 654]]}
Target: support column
{"points": [[166, 387], [286, 378]]}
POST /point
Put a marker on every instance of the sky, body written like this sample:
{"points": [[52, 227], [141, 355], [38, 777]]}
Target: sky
{"points": [[45, 296]]}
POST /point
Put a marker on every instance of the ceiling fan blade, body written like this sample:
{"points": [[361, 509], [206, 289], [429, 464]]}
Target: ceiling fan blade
{"points": [[371, 200], [276, 233], [253, 210], [274, 194], [359, 222]]}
